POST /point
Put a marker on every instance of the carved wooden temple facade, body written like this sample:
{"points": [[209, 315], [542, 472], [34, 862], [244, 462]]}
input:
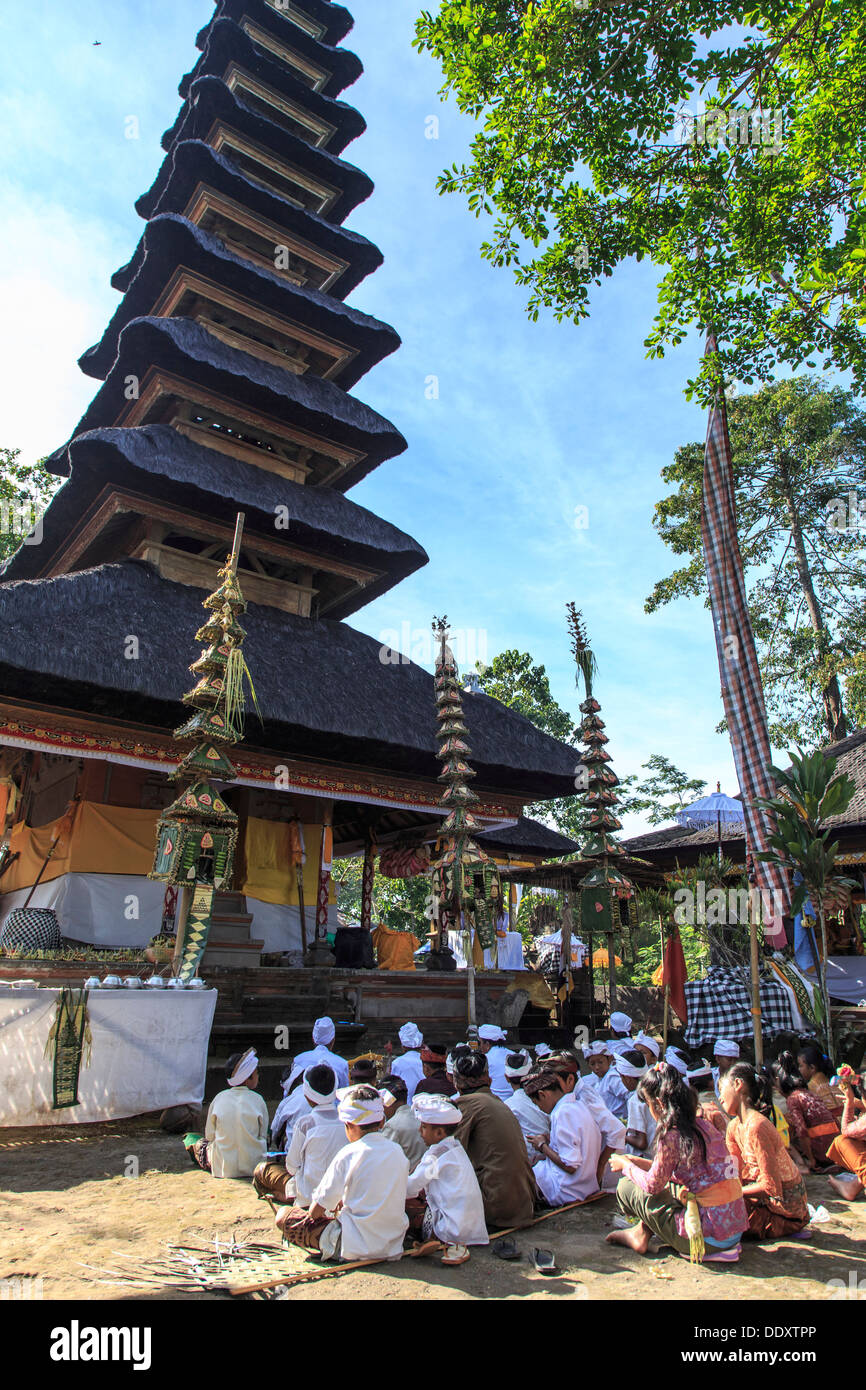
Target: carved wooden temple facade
{"points": [[225, 386]]}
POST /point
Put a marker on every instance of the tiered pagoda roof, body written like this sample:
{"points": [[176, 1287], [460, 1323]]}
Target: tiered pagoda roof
{"points": [[225, 376]]}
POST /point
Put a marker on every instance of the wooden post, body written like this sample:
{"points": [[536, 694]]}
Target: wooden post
{"points": [[367, 881], [236, 547], [470, 978], [756, 984], [324, 874]]}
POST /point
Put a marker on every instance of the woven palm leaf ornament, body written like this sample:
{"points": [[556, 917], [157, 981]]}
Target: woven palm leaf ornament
{"points": [[605, 884], [464, 880], [197, 834]]}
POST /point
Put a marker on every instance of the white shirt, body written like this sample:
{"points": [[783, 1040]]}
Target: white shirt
{"points": [[316, 1140], [448, 1180], [369, 1177], [612, 1129], [640, 1118], [529, 1117], [319, 1056], [405, 1130], [411, 1068], [576, 1138], [289, 1111], [499, 1083], [236, 1131], [619, 1045], [613, 1093]]}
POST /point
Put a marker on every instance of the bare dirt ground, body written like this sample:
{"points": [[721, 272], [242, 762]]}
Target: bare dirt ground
{"points": [[66, 1203]]}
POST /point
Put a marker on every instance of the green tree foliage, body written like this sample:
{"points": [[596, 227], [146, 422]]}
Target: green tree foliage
{"points": [[399, 902], [799, 453], [585, 157], [20, 484], [665, 791]]}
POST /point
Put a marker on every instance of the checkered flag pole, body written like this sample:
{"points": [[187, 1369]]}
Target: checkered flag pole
{"points": [[742, 691]]}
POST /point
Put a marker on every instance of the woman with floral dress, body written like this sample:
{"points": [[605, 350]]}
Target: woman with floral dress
{"points": [[812, 1125], [773, 1186], [689, 1196]]}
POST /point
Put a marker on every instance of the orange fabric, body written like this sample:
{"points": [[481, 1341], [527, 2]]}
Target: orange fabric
{"points": [[103, 840], [817, 1130], [720, 1194], [850, 1154], [395, 949], [762, 1156], [271, 874]]}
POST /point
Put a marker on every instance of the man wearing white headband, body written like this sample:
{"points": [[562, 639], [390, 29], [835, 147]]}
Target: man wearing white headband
{"points": [[621, 1039], [585, 1089], [453, 1211], [491, 1041], [725, 1052], [650, 1047], [235, 1137], [410, 1066], [531, 1120], [640, 1125], [400, 1122], [675, 1059], [320, 1055], [358, 1210], [318, 1137], [542, 1050]]}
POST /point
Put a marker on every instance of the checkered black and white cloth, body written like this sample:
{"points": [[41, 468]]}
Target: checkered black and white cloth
{"points": [[742, 691], [31, 929], [721, 1006]]}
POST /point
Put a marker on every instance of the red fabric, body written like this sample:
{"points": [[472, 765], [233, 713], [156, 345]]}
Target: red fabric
{"points": [[674, 975]]}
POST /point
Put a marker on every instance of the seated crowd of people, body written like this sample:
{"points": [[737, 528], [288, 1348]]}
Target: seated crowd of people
{"points": [[452, 1143]]}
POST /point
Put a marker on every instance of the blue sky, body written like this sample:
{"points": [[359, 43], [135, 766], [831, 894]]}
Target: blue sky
{"points": [[532, 421]]}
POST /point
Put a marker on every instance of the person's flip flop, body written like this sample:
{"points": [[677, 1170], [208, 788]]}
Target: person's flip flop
{"points": [[721, 1257], [506, 1249], [544, 1261]]}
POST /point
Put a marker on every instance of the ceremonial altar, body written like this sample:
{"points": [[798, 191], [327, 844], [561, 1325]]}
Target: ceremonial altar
{"points": [[136, 1051]]}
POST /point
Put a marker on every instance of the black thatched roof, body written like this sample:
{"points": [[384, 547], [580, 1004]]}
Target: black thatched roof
{"points": [[156, 459], [211, 100], [528, 837], [188, 350], [170, 241], [323, 688], [228, 43], [337, 20], [193, 162], [345, 67]]}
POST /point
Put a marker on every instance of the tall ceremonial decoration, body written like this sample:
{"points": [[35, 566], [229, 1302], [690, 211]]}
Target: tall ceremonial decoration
{"points": [[605, 885], [197, 834], [467, 892]]}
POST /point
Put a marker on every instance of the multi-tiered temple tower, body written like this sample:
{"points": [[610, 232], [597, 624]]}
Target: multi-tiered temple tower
{"points": [[226, 377]]}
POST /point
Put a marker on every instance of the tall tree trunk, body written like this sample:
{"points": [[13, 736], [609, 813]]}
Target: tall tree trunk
{"points": [[831, 695]]}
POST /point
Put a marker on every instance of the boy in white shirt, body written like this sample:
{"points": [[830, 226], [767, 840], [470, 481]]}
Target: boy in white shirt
{"points": [[358, 1210], [568, 1171], [235, 1137], [531, 1120], [317, 1137], [445, 1202], [640, 1125]]}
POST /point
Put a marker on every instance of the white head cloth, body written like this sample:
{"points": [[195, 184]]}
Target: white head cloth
{"points": [[673, 1058], [354, 1111], [324, 1032], [704, 1069], [542, 1050], [491, 1032], [319, 1097], [644, 1040], [410, 1035], [388, 1098], [597, 1049], [435, 1110], [725, 1048], [620, 1023], [245, 1068], [626, 1068], [523, 1070]]}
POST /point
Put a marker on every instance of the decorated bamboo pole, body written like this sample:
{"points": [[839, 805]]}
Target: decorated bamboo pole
{"points": [[754, 961], [197, 834]]}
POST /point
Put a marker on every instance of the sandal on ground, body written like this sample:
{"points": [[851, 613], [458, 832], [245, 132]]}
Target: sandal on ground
{"points": [[505, 1249], [544, 1261], [425, 1247], [455, 1255]]}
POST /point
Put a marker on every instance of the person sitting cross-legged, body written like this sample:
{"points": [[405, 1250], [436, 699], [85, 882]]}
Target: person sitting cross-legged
{"points": [[689, 1196], [316, 1139], [640, 1126], [532, 1121], [568, 1170], [235, 1137], [358, 1210], [773, 1186], [444, 1198], [492, 1138]]}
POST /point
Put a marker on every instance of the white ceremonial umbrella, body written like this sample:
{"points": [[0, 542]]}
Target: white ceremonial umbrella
{"points": [[715, 809]]}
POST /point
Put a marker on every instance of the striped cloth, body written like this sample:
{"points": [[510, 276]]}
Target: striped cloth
{"points": [[742, 691], [721, 1006]]}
